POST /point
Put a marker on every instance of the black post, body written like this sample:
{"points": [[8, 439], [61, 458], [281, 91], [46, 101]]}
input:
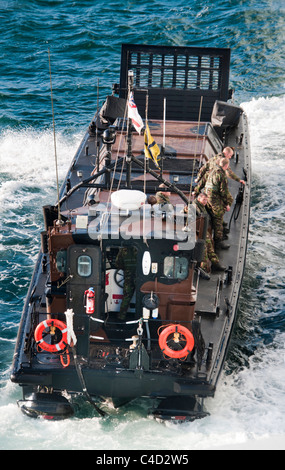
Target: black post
{"points": [[129, 133]]}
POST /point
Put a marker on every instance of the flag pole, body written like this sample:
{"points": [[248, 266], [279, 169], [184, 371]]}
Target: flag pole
{"points": [[164, 119], [163, 141], [54, 140], [197, 137], [146, 125], [129, 133], [146, 166]]}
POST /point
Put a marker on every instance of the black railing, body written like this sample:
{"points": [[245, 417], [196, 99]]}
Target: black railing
{"points": [[182, 75]]}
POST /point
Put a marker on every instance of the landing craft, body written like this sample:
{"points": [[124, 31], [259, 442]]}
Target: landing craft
{"points": [[118, 306]]}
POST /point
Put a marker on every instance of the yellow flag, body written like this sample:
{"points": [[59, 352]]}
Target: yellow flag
{"points": [[151, 149]]}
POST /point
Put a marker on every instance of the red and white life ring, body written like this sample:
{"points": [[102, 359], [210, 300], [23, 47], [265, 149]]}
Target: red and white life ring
{"points": [[53, 348], [176, 330]]}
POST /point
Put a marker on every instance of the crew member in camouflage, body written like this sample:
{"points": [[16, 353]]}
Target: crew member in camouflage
{"points": [[219, 199], [162, 196], [127, 261], [211, 260], [204, 171]]}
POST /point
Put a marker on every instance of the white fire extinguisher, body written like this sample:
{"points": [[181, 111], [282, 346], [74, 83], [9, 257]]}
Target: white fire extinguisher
{"points": [[89, 296]]}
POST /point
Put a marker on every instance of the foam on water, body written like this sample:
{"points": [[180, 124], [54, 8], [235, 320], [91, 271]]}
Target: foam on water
{"points": [[27, 182], [249, 406], [27, 165]]}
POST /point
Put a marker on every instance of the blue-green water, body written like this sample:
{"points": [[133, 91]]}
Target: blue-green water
{"points": [[85, 38]]}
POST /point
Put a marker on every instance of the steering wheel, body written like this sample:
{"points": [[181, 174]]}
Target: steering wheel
{"points": [[119, 277]]}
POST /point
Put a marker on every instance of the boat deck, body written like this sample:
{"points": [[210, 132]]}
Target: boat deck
{"points": [[216, 297]]}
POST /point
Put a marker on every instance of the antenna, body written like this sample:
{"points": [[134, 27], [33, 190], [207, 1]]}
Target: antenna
{"points": [[196, 141], [129, 132], [54, 139]]}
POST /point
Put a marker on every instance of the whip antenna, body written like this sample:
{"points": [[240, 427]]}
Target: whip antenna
{"points": [[195, 152], [54, 139]]}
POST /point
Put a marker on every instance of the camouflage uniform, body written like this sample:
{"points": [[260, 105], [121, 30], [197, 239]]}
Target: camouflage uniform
{"points": [[162, 198], [209, 256], [127, 261], [219, 198], [204, 172]]}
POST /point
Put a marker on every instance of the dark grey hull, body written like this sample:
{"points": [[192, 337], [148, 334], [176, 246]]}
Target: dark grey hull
{"points": [[116, 373]]}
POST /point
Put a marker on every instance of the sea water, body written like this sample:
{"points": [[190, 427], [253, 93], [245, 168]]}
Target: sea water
{"points": [[84, 39]]}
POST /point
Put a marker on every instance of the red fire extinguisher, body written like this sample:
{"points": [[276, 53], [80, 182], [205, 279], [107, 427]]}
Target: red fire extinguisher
{"points": [[89, 296]]}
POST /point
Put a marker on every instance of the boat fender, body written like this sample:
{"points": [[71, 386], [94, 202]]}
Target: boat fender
{"points": [[199, 250], [128, 199], [89, 295], [146, 263], [177, 331], [51, 324]]}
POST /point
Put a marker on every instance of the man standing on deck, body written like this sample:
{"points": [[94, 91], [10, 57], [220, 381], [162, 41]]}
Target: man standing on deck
{"points": [[211, 260], [219, 199], [204, 171]]}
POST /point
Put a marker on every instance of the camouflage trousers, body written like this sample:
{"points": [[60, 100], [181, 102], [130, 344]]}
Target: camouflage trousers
{"points": [[209, 256], [128, 292], [218, 211]]}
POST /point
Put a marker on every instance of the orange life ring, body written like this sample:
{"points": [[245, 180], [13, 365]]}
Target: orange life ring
{"points": [[53, 348], [182, 330]]}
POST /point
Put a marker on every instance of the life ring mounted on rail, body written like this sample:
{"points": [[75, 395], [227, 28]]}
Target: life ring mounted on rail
{"points": [[174, 335], [53, 348]]}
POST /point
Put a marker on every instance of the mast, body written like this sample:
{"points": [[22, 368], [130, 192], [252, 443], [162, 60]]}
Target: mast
{"points": [[54, 140], [129, 133], [162, 154]]}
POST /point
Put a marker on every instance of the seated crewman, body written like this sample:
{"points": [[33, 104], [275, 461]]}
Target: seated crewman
{"points": [[127, 261], [162, 196]]}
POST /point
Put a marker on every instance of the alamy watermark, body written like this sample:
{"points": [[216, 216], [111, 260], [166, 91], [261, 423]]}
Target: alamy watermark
{"points": [[161, 221]]}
